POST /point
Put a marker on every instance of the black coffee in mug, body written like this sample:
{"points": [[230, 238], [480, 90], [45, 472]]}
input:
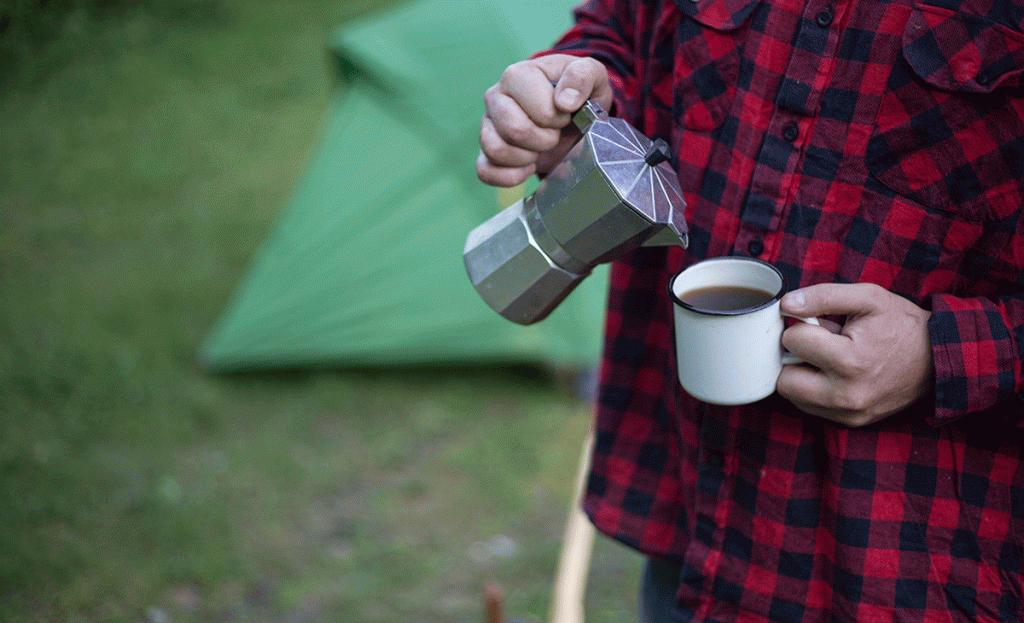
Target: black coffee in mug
{"points": [[725, 298]]}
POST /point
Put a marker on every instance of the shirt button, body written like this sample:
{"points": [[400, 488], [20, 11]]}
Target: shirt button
{"points": [[755, 247], [791, 132], [983, 77], [824, 18]]}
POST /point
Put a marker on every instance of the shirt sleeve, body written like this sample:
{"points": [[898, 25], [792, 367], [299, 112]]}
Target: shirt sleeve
{"points": [[604, 30], [976, 346]]}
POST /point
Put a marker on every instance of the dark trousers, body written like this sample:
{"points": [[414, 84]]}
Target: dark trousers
{"points": [[658, 587]]}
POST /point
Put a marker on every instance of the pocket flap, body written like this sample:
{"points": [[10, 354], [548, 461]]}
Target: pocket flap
{"points": [[720, 15], [959, 52]]}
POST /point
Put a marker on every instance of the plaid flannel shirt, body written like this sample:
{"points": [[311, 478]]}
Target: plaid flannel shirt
{"points": [[843, 141]]}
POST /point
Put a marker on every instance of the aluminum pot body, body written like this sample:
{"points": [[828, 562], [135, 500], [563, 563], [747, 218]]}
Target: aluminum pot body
{"points": [[614, 191]]}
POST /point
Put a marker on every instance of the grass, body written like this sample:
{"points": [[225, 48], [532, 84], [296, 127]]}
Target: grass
{"points": [[143, 159]]}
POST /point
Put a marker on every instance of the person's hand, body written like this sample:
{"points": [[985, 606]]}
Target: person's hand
{"points": [[521, 131], [876, 364]]}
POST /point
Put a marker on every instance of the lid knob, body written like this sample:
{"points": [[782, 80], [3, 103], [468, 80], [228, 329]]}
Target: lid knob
{"points": [[657, 153]]}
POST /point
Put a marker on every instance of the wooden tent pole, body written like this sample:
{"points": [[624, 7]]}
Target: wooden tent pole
{"points": [[577, 543]]}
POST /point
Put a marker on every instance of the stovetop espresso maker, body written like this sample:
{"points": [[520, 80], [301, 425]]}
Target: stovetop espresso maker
{"points": [[613, 192]]}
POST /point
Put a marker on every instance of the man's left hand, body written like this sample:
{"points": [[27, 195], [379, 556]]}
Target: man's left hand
{"points": [[878, 363]]}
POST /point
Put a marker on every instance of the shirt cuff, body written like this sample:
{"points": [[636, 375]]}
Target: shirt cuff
{"points": [[976, 361]]}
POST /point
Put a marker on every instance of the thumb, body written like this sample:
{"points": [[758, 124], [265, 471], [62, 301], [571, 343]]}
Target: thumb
{"points": [[833, 299], [578, 79]]}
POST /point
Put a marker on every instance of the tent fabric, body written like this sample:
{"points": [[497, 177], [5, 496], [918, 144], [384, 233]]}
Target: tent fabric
{"points": [[364, 265]]}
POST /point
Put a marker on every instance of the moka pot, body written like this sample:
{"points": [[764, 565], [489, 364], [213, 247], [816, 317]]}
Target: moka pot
{"points": [[613, 192]]}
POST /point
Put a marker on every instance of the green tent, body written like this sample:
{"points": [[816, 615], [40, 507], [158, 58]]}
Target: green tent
{"points": [[364, 266]]}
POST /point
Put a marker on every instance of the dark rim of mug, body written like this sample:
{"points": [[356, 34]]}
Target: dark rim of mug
{"points": [[729, 312]]}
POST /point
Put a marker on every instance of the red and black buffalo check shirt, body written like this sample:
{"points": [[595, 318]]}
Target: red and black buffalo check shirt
{"points": [[843, 141]]}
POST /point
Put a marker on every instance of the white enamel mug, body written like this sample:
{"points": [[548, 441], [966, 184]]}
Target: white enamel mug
{"points": [[734, 356]]}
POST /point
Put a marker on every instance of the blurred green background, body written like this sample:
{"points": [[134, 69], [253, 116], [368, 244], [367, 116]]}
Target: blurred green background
{"points": [[145, 152]]}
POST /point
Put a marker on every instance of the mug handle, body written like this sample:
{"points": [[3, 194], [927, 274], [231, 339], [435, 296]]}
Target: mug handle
{"points": [[789, 358]]}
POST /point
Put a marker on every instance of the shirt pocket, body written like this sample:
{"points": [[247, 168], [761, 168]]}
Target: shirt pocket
{"points": [[707, 51], [949, 132]]}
